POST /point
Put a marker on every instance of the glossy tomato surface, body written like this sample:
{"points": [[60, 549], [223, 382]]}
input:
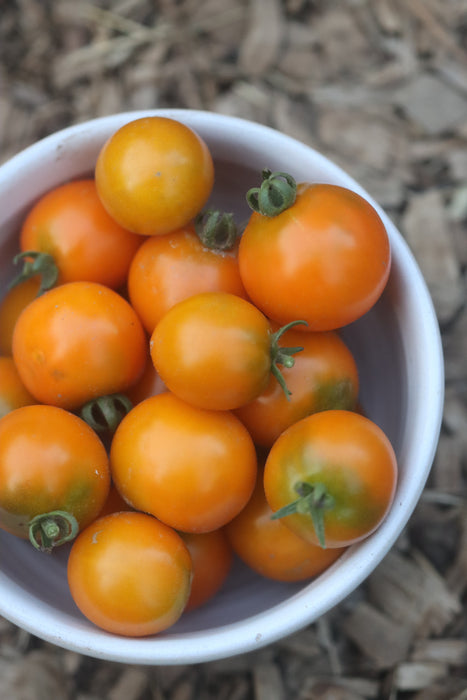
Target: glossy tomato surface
{"points": [[154, 175], [211, 555], [193, 469], [130, 574], [76, 342], [49, 460], [326, 259], [341, 464]]}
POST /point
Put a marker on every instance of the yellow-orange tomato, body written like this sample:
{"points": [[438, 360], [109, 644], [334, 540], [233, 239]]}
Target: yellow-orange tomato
{"points": [[211, 555], [76, 342], [12, 304], [86, 244], [130, 574], [149, 384], [50, 460], [191, 468], [270, 548], [154, 175], [215, 350], [323, 376], [167, 269], [13, 393], [331, 477], [325, 259]]}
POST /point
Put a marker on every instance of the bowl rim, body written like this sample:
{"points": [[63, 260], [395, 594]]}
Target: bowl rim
{"points": [[360, 560]]}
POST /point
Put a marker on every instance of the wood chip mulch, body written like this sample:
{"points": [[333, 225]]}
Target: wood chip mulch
{"points": [[380, 86]]}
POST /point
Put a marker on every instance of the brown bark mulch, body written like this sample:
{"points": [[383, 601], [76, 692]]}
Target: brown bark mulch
{"points": [[380, 86]]}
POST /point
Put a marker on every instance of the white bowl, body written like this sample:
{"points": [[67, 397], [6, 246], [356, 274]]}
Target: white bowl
{"points": [[398, 351]]}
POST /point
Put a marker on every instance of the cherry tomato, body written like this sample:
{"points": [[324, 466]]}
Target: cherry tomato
{"points": [[323, 376], [149, 384], [270, 548], [114, 503], [211, 555], [54, 474], [13, 393], [167, 269], [191, 468], [130, 574], [215, 350], [325, 258], [331, 477], [12, 304], [154, 175], [70, 224], [76, 342]]}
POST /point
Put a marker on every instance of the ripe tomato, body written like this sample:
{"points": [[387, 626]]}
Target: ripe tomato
{"points": [[154, 175], [325, 259], [130, 574], [12, 304], [270, 548], [149, 384], [13, 393], [114, 503], [216, 350], [211, 555], [86, 244], [323, 376], [167, 269], [76, 342], [332, 477], [54, 474], [192, 469]]}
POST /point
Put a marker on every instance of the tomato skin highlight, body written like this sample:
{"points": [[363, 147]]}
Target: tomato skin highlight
{"points": [[70, 224], [351, 457], [170, 268], [191, 468], [270, 548], [130, 574], [154, 175], [49, 460], [326, 259], [76, 342], [213, 350], [324, 376]]}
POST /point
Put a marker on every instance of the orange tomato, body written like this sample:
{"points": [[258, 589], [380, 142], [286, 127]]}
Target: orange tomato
{"points": [[70, 224], [331, 477], [13, 393], [325, 259], [154, 175], [76, 342], [270, 548], [191, 468], [168, 269], [323, 376], [54, 470], [211, 555], [130, 574], [12, 304]]}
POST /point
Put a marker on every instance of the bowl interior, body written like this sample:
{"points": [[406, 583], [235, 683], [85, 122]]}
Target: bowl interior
{"points": [[398, 351]]}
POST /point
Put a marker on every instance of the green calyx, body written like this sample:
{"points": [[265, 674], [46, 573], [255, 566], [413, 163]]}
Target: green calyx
{"points": [[276, 193], [314, 500], [283, 356], [216, 230], [105, 413], [50, 530], [36, 263]]}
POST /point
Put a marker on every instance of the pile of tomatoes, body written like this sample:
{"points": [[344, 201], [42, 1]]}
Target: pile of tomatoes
{"points": [[175, 391]]}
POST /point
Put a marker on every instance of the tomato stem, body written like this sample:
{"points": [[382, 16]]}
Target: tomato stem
{"points": [[53, 529], [216, 230], [314, 500], [105, 413], [283, 356], [276, 193], [36, 263]]}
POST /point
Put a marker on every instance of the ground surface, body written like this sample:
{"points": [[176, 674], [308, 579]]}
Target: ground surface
{"points": [[380, 86]]}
